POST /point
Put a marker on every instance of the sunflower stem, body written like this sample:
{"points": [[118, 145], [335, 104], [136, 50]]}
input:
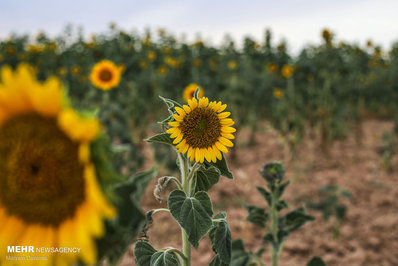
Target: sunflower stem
{"points": [[274, 228], [184, 168]]}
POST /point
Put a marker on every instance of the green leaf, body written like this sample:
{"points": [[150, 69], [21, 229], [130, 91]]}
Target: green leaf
{"points": [[260, 252], [266, 195], [192, 213], [167, 120], [257, 216], [216, 261], [161, 138], [239, 256], [341, 211], [223, 167], [282, 236], [162, 258], [122, 231], [206, 178], [171, 104], [196, 94], [346, 194], [294, 220], [282, 205], [316, 261], [281, 188], [143, 252], [221, 242], [220, 215]]}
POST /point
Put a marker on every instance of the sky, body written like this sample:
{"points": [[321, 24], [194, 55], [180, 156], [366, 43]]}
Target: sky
{"points": [[297, 22]]}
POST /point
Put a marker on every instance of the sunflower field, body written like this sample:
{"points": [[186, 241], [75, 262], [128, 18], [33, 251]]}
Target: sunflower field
{"points": [[80, 110]]}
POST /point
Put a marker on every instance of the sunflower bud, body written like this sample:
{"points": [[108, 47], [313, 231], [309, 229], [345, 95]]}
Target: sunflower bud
{"points": [[273, 171]]}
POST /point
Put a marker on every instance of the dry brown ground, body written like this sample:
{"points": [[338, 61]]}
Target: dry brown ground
{"points": [[369, 235]]}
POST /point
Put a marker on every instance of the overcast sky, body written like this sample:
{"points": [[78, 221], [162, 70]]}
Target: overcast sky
{"points": [[299, 22]]}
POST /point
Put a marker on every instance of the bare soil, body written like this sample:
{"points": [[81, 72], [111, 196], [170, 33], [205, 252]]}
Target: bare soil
{"points": [[369, 235]]}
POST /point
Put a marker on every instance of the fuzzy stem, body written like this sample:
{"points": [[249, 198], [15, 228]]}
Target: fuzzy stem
{"points": [[184, 168], [274, 228]]}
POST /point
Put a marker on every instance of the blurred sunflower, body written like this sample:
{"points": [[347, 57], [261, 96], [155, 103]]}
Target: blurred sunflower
{"points": [[190, 90], [278, 93], [202, 130], [105, 75], [49, 194], [232, 64], [287, 71]]}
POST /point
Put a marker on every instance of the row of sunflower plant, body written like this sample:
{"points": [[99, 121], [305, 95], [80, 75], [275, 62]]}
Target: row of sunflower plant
{"points": [[326, 90]]}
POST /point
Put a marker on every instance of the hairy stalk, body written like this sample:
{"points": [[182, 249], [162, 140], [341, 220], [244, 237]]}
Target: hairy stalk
{"points": [[184, 168], [274, 228]]}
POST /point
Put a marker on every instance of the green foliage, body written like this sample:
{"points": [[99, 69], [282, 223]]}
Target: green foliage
{"points": [[206, 178], [192, 213], [239, 256], [316, 261], [330, 205], [220, 235], [277, 228], [121, 231], [223, 167]]}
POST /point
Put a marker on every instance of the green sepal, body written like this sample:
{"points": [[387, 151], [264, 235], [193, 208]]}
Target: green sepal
{"points": [[192, 213], [161, 138], [171, 104], [196, 94]]}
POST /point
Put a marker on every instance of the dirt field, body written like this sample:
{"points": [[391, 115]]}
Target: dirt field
{"points": [[369, 236]]}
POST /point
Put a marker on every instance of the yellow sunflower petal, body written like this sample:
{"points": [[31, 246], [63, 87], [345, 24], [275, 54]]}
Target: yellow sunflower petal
{"points": [[227, 135], [207, 155], [174, 124], [178, 118], [227, 122], [193, 103], [180, 111], [221, 147], [225, 142], [223, 115], [228, 129], [187, 109]]}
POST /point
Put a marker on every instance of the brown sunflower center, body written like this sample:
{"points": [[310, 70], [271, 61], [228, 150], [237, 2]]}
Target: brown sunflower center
{"points": [[105, 75], [201, 128], [41, 179]]}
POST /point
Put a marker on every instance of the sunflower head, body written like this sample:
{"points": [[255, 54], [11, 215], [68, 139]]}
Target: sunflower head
{"points": [[202, 130], [287, 71], [278, 93], [105, 75], [189, 91], [49, 194]]}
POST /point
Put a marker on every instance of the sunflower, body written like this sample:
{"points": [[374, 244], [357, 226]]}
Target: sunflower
{"points": [[190, 90], [202, 130], [278, 93], [49, 194], [105, 75]]}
